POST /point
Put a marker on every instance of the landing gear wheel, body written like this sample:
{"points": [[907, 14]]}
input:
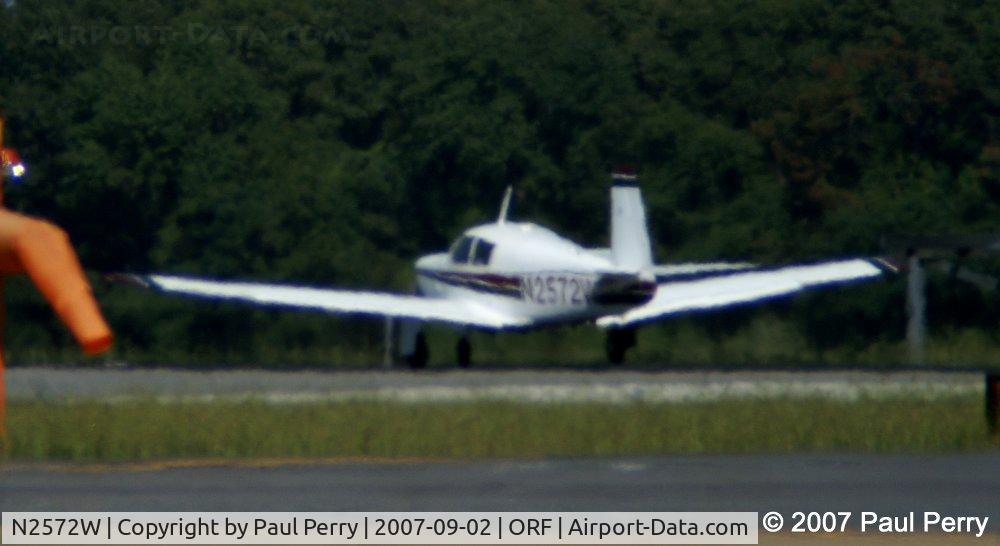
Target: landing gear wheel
{"points": [[418, 360], [616, 353], [619, 341], [463, 352]]}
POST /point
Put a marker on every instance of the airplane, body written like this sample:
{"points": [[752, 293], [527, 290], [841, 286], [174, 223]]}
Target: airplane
{"points": [[518, 276]]}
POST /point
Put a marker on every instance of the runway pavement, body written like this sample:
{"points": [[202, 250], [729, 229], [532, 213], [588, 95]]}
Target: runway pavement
{"points": [[951, 484], [60, 384]]}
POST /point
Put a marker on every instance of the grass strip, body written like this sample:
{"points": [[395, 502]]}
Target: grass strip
{"points": [[148, 430]]}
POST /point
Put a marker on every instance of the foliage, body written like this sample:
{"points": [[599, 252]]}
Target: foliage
{"points": [[332, 142]]}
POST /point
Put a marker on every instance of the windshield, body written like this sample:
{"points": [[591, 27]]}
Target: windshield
{"points": [[460, 250], [484, 249]]}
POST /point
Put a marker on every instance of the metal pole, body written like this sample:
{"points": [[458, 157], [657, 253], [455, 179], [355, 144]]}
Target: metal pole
{"points": [[916, 309], [389, 356], [993, 402]]}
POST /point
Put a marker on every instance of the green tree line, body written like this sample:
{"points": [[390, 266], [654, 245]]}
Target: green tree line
{"points": [[332, 142]]}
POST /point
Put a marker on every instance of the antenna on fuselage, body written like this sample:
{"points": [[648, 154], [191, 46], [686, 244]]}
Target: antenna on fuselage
{"points": [[502, 217]]}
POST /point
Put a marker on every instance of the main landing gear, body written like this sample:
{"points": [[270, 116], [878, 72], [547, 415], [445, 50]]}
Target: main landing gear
{"points": [[417, 359], [463, 352], [619, 341]]}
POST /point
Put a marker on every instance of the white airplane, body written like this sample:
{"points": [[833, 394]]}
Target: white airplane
{"points": [[513, 276]]}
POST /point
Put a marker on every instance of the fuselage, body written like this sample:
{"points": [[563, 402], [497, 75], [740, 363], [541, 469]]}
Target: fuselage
{"points": [[529, 271]]}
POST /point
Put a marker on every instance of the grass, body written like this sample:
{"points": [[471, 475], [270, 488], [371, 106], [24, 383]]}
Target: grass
{"points": [[147, 430]]}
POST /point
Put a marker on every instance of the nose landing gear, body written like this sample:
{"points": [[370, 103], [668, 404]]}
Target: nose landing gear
{"points": [[418, 358]]}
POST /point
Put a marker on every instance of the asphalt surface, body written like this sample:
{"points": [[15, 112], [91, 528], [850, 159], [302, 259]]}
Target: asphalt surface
{"points": [[59, 384], [893, 484]]}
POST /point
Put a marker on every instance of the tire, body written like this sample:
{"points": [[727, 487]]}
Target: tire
{"points": [[421, 354], [463, 352], [617, 343], [615, 352]]}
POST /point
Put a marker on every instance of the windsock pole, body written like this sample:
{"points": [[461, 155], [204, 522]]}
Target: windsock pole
{"points": [[3, 325]]}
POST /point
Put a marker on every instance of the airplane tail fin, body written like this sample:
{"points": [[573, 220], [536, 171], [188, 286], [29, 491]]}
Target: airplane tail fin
{"points": [[630, 247]]}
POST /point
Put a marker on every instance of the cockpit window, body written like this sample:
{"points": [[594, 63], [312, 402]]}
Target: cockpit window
{"points": [[460, 252], [483, 252]]}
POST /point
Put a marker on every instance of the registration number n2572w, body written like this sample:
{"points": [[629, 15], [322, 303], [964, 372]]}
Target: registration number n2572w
{"points": [[556, 289]]}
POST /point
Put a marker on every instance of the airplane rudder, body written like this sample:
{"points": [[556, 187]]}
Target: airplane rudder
{"points": [[630, 245]]}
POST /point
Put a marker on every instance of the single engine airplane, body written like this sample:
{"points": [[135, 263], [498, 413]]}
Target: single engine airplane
{"points": [[517, 276]]}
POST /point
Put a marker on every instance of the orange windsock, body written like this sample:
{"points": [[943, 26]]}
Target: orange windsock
{"points": [[43, 251]]}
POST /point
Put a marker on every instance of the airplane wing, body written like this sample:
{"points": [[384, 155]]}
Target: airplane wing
{"points": [[675, 271], [346, 302], [732, 288], [692, 270]]}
